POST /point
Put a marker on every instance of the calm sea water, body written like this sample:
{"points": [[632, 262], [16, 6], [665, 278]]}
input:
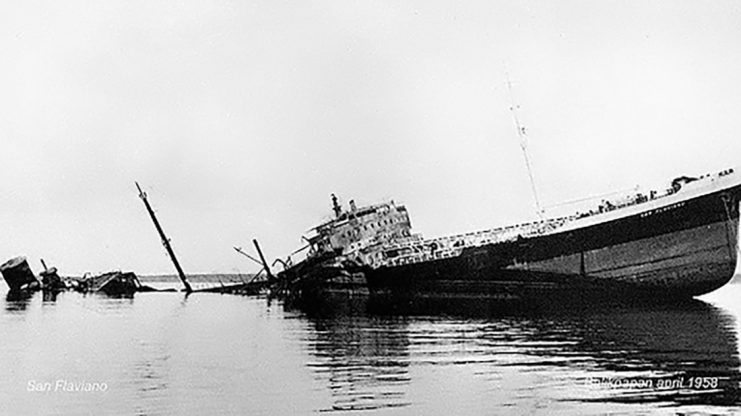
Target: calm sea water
{"points": [[165, 354]]}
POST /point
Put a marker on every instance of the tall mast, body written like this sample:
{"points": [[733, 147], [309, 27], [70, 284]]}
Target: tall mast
{"points": [[165, 240], [523, 145]]}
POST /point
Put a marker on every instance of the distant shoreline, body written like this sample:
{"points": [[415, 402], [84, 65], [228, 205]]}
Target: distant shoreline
{"points": [[208, 277]]}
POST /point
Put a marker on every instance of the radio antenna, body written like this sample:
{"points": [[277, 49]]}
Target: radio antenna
{"points": [[522, 136]]}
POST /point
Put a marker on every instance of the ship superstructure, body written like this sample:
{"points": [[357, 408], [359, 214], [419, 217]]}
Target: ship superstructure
{"points": [[338, 249], [358, 229]]}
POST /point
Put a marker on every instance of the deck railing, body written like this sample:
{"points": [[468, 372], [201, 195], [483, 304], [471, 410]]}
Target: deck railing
{"points": [[416, 251]]}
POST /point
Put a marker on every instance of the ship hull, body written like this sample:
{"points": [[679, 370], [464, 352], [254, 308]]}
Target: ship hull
{"points": [[682, 250], [320, 278]]}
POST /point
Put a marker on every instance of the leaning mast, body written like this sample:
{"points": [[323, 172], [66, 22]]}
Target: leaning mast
{"points": [[165, 240], [523, 145]]}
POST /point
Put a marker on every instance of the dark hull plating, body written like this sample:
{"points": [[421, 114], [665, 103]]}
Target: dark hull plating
{"points": [[684, 250]]}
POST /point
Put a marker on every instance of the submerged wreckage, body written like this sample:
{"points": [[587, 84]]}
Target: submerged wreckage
{"points": [[20, 279], [676, 243], [679, 242]]}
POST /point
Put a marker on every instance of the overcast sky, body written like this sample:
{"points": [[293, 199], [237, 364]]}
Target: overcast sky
{"points": [[240, 118]]}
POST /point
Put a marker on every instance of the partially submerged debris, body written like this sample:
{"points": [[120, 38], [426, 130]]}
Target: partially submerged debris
{"points": [[18, 275], [20, 278], [51, 281], [111, 283], [245, 288]]}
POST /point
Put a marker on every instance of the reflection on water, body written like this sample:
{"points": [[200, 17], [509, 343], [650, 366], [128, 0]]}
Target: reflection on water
{"points": [[673, 354], [17, 301], [363, 358], [50, 296], [164, 353]]}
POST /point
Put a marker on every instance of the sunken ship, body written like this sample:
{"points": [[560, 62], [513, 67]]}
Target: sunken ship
{"points": [[678, 242]]}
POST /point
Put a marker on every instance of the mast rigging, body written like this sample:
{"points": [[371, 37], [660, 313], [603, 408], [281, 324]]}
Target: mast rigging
{"points": [[521, 135]]}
